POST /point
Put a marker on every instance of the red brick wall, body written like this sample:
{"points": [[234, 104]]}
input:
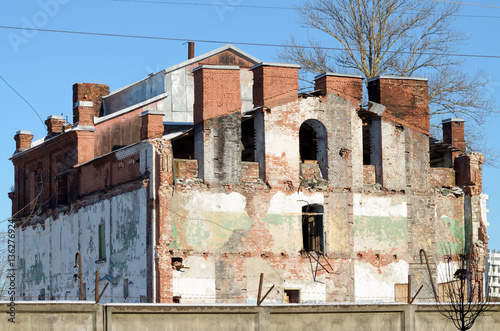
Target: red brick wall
{"points": [[90, 92], [453, 134], [442, 177], [406, 99], [216, 93], [274, 85], [468, 169], [249, 171], [152, 126], [185, 169], [350, 88], [369, 174]]}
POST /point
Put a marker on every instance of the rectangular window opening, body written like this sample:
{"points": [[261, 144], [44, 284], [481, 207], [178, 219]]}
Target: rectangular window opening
{"points": [[248, 139], [125, 288], [102, 242], [291, 296], [366, 144], [312, 228]]}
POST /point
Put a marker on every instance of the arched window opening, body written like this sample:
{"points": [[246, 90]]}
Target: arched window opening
{"points": [[313, 149], [312, 228], [308, 142]]}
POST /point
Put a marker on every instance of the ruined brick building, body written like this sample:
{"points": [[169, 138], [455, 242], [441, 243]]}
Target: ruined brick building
{"points": [[187, 185]]}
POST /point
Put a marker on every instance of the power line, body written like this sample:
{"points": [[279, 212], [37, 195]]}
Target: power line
{"points": [[467, 4], [204, 4], [29, 104], [270, 7], [229, 42]]}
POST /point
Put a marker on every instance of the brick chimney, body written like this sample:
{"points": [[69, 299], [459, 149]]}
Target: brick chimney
{"points": [[275, 84], [23, 140], [190, 50], [405, 98], [55, 125], [349, 87], [216, 91], [89, 92], [152, 124], [84, 113], [217, 118], [453, 132]]}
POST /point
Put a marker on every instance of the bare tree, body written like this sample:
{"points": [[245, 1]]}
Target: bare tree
{"points": [[462, 296], [393, 37]]}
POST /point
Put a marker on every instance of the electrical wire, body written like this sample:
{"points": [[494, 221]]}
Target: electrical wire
{"points": [[29, 104], [231, 42], [272, 8]]}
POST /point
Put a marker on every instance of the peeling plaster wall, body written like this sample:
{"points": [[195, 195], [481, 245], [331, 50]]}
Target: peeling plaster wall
{"points": [[46, 254]]}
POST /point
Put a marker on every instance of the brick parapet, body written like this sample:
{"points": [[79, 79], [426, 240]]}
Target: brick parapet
{"points": [[89, 92], [405, 98], [275, 84], [349, 87], [216, 91]]}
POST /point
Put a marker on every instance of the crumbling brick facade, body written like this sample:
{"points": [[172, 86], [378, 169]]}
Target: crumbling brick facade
{"points": [[331, 201]]}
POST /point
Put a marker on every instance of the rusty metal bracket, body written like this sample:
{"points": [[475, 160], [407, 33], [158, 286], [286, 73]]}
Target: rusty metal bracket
{"points": [[317, 260]]}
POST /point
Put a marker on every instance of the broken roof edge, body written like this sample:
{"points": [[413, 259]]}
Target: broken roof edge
{"points": [[104, 118], [187, 63], [396, 77]]}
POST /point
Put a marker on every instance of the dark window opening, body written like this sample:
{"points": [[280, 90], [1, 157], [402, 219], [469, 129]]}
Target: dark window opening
{"points": [[292, 296], [312, 228], [440, 154], [125, 288], [248, 139], [366, 143], [177, 299], [41, 296], [62, 190], [308, 143], [183, 146], [177, 263], [102, 242]]}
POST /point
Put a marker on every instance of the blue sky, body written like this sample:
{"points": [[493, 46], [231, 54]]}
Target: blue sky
{"points": [[43, 66]]}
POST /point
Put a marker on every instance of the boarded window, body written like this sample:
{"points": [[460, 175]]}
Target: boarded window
{"points": [[102, 242], [401, 293], [451, 292], [312, 228], [291, 296]]}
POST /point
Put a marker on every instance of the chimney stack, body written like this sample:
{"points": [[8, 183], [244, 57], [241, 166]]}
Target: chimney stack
{"points": [[190, 50], [152, 124], [405, 98], [55, 125], [23, 140], [453, 132], [349, 87], [88, 93], [217, 118], [275, 84]]}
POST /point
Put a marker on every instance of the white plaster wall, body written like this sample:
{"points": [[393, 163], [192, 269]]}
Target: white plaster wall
{"points": [[196, 284], [379, 206], [56, 244], [377, 283]]}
